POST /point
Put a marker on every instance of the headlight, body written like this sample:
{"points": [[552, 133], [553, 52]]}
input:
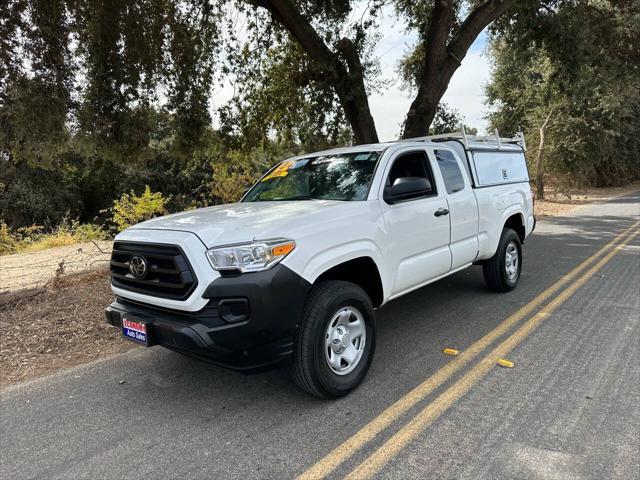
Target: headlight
{"points": [[250, 257]]}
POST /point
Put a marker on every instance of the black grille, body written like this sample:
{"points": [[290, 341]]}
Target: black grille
{"points": [[168, 274]]}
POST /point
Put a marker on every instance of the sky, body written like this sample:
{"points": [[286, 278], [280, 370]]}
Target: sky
{"points": [[390, 106]]}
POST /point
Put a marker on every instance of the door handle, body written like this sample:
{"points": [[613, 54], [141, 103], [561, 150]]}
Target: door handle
{"points": [[441, 211]]}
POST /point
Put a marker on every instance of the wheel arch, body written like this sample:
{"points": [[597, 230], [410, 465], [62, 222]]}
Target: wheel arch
{"points": [[516, 222], [363, 271]]}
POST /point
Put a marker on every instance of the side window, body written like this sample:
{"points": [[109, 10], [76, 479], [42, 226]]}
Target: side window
{"points": [[411, 164], [408, 170], [451, 174]]}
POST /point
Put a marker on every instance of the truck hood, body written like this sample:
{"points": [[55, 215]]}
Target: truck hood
{"points": [[242, 222]]}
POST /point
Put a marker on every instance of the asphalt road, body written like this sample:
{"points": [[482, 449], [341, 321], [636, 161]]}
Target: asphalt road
{"points": [[570, 408]]}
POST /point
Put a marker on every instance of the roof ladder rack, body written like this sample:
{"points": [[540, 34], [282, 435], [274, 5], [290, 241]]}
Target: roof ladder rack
{"points": [[464, 136], [524, 143], [488, 140]]}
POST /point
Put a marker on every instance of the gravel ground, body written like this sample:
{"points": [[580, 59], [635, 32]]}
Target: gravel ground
{"points": [[57, 329], [30, 270]]}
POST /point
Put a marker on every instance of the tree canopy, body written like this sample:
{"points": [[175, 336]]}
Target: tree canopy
{"points": [[575, 70], [99, 98]]}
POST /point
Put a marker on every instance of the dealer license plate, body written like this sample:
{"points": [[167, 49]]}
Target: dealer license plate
{"points": [[135, 330]]}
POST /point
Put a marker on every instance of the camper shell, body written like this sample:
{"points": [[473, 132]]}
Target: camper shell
{"points": [[489, 160]]}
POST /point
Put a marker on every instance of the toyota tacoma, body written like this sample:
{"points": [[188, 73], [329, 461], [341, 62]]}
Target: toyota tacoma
{"points": [[295, 271]]}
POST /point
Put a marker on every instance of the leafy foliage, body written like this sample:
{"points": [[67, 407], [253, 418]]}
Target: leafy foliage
{"points": [[7, 239], [98, 97], [282, 95], [560, 67], [446, 120], [130, 208]]}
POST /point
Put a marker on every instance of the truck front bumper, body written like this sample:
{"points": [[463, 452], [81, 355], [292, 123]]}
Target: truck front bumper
{"points": [[248, 323]]}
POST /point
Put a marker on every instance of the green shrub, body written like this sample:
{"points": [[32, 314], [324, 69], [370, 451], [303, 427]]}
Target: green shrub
{"points": [[233, 171], [87, 232], [131, 209], [230, 181], [19, 239], [7, 240]]}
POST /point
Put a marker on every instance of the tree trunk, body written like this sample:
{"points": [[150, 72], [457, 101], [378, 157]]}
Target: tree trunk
{"points": [[422, 112], [353, 96], [356, 108], [539, 161]]}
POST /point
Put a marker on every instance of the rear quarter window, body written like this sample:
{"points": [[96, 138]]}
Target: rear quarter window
{"points": [[451, 174]]}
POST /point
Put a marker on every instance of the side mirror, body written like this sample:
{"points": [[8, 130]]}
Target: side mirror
{"points": [[405, 188]]}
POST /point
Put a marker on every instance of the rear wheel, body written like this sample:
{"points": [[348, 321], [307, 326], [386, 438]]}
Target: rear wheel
{"points": [[502, 271], [336, 340]]}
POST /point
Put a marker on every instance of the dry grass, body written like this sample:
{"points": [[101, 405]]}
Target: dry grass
{"points": [[57, 329], [35, 237], [62, 239]]}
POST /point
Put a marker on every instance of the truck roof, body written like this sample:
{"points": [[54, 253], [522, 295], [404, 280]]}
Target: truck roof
{"points": [[470, 142], [369, 147]]}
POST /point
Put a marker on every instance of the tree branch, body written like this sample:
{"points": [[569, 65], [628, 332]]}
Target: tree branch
{"points": [[438, 32], [546, 120], [472, 26], [286, 14], [348, 50], [348, 83]]}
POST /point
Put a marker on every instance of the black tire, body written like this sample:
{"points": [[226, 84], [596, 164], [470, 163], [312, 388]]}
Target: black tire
{"points": [[310, 370], [494, 269]]}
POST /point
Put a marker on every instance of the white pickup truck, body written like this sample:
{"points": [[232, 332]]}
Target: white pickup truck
{"points": [[295, 270]]}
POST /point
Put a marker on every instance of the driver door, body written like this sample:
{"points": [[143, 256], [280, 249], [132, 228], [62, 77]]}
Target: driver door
{"points": [[418, 229]]}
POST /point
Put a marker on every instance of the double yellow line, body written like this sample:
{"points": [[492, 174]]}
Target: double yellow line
{"points": [[438, 406]]}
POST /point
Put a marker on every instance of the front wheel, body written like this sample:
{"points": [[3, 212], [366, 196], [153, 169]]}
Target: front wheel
{"points": [[502, 271], [336, 340]]}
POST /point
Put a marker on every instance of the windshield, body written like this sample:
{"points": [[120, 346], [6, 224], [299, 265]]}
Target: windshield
{"points": [[344, 176]]}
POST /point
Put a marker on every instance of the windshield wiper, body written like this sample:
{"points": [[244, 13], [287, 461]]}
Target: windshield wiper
{"points": [[299, 197]]}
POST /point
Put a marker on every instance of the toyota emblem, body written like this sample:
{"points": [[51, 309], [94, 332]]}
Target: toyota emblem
{"points": [[138, 266]]}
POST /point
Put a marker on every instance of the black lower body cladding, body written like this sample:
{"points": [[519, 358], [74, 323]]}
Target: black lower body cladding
{"points": [[248, 323]]}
